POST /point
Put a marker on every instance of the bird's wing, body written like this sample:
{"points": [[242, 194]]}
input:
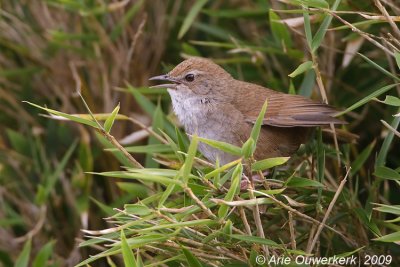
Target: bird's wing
{"points": [[286, 110]]}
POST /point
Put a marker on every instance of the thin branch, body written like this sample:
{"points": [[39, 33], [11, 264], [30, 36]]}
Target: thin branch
{"points": [[292, 231], [387, 125], [330, 207], [363, 34], [388, 17]]}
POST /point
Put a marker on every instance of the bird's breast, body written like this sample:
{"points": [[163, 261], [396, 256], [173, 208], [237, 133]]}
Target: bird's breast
{"points": [[193, 111]]}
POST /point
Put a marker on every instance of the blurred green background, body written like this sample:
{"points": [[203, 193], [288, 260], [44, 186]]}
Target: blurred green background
{"points": [[109, 49]]}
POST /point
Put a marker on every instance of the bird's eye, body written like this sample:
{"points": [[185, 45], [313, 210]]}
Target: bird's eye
{"points": [[189, 77]]}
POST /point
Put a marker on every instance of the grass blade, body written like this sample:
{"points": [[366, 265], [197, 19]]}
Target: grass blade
{"points": [[268, 163], [127, 253], [319, 36], [303, 67], [187, 167], [23, 257], [367, 99], [110, 120], [194, 11]]}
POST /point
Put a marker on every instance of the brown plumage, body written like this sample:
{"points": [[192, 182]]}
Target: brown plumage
{"points": [[210, 102]]}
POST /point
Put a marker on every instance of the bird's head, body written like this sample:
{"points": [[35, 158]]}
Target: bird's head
{"points": [[199, 75]]}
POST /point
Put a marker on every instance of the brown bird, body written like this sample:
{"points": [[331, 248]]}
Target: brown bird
{"points": [[209, 102]]}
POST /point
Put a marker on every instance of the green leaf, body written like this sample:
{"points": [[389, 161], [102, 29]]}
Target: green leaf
{"points": [[307, 25], [393, 209], [292, 90], [231, 149], [307, 84], [187, 167], [109, 211], [383, 152], [191, 16], [367, 99], [255, 239], [393, 237], [397, 57], [167, 192], [135, 190], [64, 115], [127, 253], [43, 255], [302, 182], [362, 158], [139, 176], [110, 120], [199, 222], [386, 173], [137, 209], [236, 178], [363, 216], [268, 163], [381, 69], [222, 169], [255, 132], [319, 36], [303, 67], [148, 149], [349, 253], [391, 101], [23, 257], [227, 229], [248, 148], [279, 30], [311, 3], [191, 259]]}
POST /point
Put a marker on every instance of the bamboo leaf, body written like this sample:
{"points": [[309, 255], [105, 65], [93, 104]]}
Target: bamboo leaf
{"points": [[397, 57], [127, 253], [43, 255], [357, 164], [139, 176], [23, 257], [268, 163], [191, 259], [231, 149], [65, 115], [303, 67], [236, 178], [393, 209], [110, 120], [386, 173], [302, 182], [255, 132], [222, 169], [367, 99], [248, 148], [381, 69], [393, 237], [319, 36], [391, 101], [187, 167], [279, 30]]}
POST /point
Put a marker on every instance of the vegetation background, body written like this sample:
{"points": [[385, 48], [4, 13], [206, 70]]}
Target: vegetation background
{"points": [[343, 52]]}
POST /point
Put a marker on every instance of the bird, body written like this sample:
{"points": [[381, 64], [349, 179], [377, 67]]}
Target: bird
{"points": [[211, 103]]}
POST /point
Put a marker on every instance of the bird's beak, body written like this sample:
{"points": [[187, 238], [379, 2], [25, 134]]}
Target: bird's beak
{"points": [[164, 77]]}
